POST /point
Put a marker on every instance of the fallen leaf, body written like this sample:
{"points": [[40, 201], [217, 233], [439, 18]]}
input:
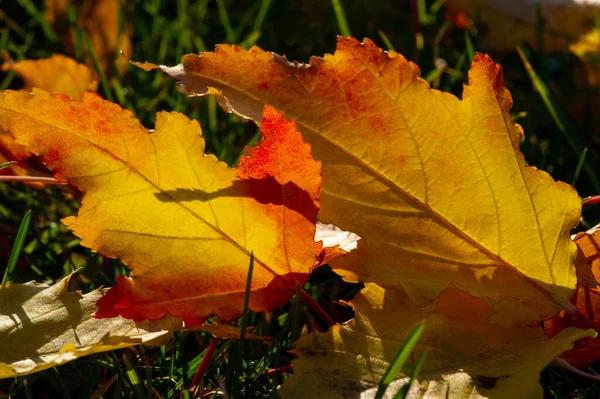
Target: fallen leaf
{"points": [[184, 222], [55, 74], [42, 326], [436, 186], [586, 300], [467, 357]]}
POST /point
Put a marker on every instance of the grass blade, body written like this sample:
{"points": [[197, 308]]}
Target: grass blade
{"points": [[424, 18], [133, 378], [39, 16], [243, 344], [244, 321], [224, 16], [403, 392], [7, 164], [386, 40], [92, 52], [540, 25], [579, 166], [340, 16], [399, 360], [469, 47], [262, 13], [434, 74], [17, 246], [544, 92]]}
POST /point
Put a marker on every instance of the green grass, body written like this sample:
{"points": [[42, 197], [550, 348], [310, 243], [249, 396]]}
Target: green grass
{"points": [[163, 31]]}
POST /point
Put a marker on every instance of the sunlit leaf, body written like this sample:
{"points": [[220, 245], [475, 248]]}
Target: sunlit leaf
{"points": [[184, 222], [436, 186], [42, 326]]}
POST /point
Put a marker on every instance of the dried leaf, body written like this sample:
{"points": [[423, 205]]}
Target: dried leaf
{"points": [[42, 326], [412, 171], [466, 355], [183, 222]]}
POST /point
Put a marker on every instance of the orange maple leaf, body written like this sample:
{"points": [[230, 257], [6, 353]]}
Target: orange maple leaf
{"points": [[185, 223]]}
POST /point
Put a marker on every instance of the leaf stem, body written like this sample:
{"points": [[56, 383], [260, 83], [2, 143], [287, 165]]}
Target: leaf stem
{"points": [[311, 303], [30, 179], [594, 199], [558, 362], [205, 362]]}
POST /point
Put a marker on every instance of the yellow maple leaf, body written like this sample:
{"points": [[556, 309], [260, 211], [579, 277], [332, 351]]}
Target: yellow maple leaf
{"points": [[185, 223], [436, 186]]}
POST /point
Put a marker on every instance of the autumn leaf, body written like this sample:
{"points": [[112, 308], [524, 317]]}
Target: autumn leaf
{"points": [[42, 326], [466, 355], [184, 223], [436, 186], [55, 74], [586, 300]]}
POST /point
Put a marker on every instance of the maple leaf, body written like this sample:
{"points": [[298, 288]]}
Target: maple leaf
{"points": [[466, 355], [436, 186], [55, 74], [586, 299], [185, 223], [42, 326]]}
